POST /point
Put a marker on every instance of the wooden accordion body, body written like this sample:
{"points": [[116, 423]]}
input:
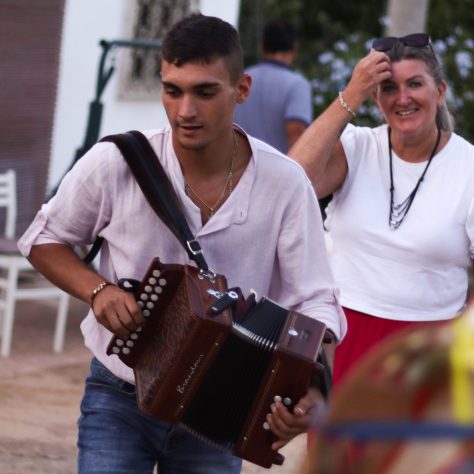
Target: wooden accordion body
{"points": [[214, 374]]}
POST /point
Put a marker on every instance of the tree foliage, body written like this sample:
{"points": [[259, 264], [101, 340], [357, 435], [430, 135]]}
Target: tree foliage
{"points": [[335, 34], [320, 23]]}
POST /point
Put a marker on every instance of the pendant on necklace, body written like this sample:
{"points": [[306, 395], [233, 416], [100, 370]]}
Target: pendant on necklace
{"points": [[398, 212]]}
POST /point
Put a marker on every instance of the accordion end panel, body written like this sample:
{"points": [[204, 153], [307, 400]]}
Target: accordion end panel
{"points": [[289, 374], [179, 341], [183, 347], [168, 397]]}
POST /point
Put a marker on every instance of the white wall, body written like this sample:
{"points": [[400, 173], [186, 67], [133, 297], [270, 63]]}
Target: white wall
{"points": [[86, 22]]}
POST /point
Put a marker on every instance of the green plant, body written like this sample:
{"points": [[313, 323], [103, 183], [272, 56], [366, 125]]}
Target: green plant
{"points": [[457, 52]]}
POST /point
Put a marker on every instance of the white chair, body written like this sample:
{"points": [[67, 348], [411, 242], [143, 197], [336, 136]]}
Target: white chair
{"points": [[12, 270]]}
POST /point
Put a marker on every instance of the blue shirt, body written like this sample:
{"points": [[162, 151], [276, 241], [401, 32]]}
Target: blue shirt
{"points": [[278, 94]]}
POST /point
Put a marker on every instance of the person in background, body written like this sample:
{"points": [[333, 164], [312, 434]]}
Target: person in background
{"points": [[402, 215], [223, 179], [279, 107]]}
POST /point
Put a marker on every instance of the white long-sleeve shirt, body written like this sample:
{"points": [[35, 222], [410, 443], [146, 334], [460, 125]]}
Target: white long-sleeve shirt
{"points": [[267, 235]]}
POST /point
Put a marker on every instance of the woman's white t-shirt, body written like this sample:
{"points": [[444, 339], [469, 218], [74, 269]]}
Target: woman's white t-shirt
{"points": [[417, 272]]}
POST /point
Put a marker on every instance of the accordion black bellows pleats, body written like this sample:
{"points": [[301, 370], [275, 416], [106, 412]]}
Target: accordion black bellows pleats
{"points": [[229, 387], [216, 374]]}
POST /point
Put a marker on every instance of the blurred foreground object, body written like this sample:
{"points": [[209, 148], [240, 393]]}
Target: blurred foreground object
{"points": [[407, 407]]}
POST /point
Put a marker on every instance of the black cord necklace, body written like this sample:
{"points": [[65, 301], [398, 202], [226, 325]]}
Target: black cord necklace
{"points": [[399, 211]]}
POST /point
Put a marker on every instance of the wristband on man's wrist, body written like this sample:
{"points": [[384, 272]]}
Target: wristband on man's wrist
{"points": [[98, 289]]}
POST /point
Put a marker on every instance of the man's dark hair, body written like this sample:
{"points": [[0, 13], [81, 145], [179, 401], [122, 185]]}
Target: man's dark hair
{"points": [[278, 36], [200, 38]]}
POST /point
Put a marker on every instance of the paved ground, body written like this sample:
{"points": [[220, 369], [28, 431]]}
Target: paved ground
{"points": [[40, 393]]}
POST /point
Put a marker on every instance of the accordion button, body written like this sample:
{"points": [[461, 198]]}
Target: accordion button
{"points": [[148, 289], [277, 398], [134, 336], [287, 401], [266, 426], [152, 280], [119, 342], [146, 313], [139, 329], [154, 297], [156, 273], [141, 304], [130, 343], [150, 305], [158, 289], [143, 296], [125, 350], [162, 281], [116, 350]]}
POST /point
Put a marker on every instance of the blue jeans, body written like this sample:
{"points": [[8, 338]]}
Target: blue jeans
{"points": [[116, 437]]}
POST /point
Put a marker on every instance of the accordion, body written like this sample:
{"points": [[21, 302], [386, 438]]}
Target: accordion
{"points": [[212, 362]]}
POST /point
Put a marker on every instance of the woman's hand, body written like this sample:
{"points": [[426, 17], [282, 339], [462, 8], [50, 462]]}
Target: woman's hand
{"points": [[368, 73]]}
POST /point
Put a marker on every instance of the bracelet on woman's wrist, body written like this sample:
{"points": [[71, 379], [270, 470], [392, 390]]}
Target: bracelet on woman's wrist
{"points": [[345, 105]]}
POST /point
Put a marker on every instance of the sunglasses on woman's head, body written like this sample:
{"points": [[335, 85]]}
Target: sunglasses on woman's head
{"points": [[416, 40]]}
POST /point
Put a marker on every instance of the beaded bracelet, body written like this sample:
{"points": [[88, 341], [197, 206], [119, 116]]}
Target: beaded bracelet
{"points": [[345, 105], [98, 289]]}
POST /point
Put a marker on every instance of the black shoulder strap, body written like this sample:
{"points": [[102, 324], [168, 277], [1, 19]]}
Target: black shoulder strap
{"points": [[153, 181]]}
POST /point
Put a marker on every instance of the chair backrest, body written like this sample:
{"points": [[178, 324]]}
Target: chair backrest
{"points": [[8, 201]]}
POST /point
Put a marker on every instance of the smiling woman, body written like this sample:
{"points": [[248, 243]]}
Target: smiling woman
{"points": [[402, 216]]}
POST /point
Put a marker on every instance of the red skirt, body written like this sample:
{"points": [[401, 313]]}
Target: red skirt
{"points": [[363, 333]]}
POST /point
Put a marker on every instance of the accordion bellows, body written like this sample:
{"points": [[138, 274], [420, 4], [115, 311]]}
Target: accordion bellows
{"points": [[216, 375]]}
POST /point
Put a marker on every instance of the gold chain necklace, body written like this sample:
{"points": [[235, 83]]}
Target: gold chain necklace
{"points": [[227, 184]]}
